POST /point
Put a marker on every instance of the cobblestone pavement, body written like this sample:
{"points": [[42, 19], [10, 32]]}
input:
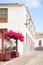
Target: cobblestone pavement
{"points": [[32, 58]]}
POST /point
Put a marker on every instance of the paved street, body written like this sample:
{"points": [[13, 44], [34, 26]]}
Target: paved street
{"points": [[32, 58]]}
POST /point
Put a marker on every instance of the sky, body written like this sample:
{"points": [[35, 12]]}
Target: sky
{"points": [[35, 8]]}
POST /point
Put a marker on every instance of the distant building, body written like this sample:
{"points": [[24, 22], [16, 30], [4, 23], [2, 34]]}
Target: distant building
{"points": [[16, 17], [39, 39]]}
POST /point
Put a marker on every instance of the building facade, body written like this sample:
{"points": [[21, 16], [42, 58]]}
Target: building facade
{"points": [[16, 17], [30, 32]]}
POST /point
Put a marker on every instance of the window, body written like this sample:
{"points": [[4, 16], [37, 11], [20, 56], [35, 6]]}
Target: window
{"points": [[3, 14], [40, 42], [1, 32]]}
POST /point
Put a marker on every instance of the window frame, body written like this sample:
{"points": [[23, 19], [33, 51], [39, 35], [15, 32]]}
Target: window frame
{"points": [[3, 18]]}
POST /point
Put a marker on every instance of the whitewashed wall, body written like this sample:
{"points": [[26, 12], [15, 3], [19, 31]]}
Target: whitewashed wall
{"points": [[16, 20], [37, 42]]}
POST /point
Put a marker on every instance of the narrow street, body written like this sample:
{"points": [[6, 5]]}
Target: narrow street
{"points": [[32, 58]]}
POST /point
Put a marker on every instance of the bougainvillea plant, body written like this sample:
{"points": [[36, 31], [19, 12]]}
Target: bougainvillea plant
{"points": [[15, 35]]}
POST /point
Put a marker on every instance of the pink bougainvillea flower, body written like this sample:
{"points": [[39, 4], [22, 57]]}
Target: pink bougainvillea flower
{"points": [[15, 35]]}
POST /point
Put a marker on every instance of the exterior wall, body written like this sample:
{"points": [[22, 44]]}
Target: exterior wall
{"points": [[16, 22], [30, 24], [30, 32], [17, 17]]}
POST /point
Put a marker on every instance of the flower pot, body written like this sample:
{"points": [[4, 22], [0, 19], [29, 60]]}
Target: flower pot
{"points": [[6, 56], [14, 54]]}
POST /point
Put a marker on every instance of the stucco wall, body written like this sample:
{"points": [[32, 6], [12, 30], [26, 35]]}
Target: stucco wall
{"points": [[16, 20], [37, 42]]}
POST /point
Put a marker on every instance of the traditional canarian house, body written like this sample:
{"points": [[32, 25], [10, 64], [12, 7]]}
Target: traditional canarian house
{"points": [[39, 41], [16, 17]]}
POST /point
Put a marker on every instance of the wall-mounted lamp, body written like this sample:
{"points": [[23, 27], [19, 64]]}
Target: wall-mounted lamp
{"points": [[27, 22]]}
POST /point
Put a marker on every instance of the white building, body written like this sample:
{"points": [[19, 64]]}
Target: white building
{"points": [[39, 39], [16, 17]]}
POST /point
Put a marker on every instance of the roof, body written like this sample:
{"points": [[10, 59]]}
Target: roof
{"points": [[13, 4], [39, 35]]}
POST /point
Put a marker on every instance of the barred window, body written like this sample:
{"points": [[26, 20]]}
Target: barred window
{"points": [[3, 14]]}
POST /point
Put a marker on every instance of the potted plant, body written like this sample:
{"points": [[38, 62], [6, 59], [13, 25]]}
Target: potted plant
{"points": [[14, 53], [14, 48], [7, 54], [7, 49]]}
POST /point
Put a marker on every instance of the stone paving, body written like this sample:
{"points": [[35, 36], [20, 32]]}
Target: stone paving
{"points": [[32, 58]]}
